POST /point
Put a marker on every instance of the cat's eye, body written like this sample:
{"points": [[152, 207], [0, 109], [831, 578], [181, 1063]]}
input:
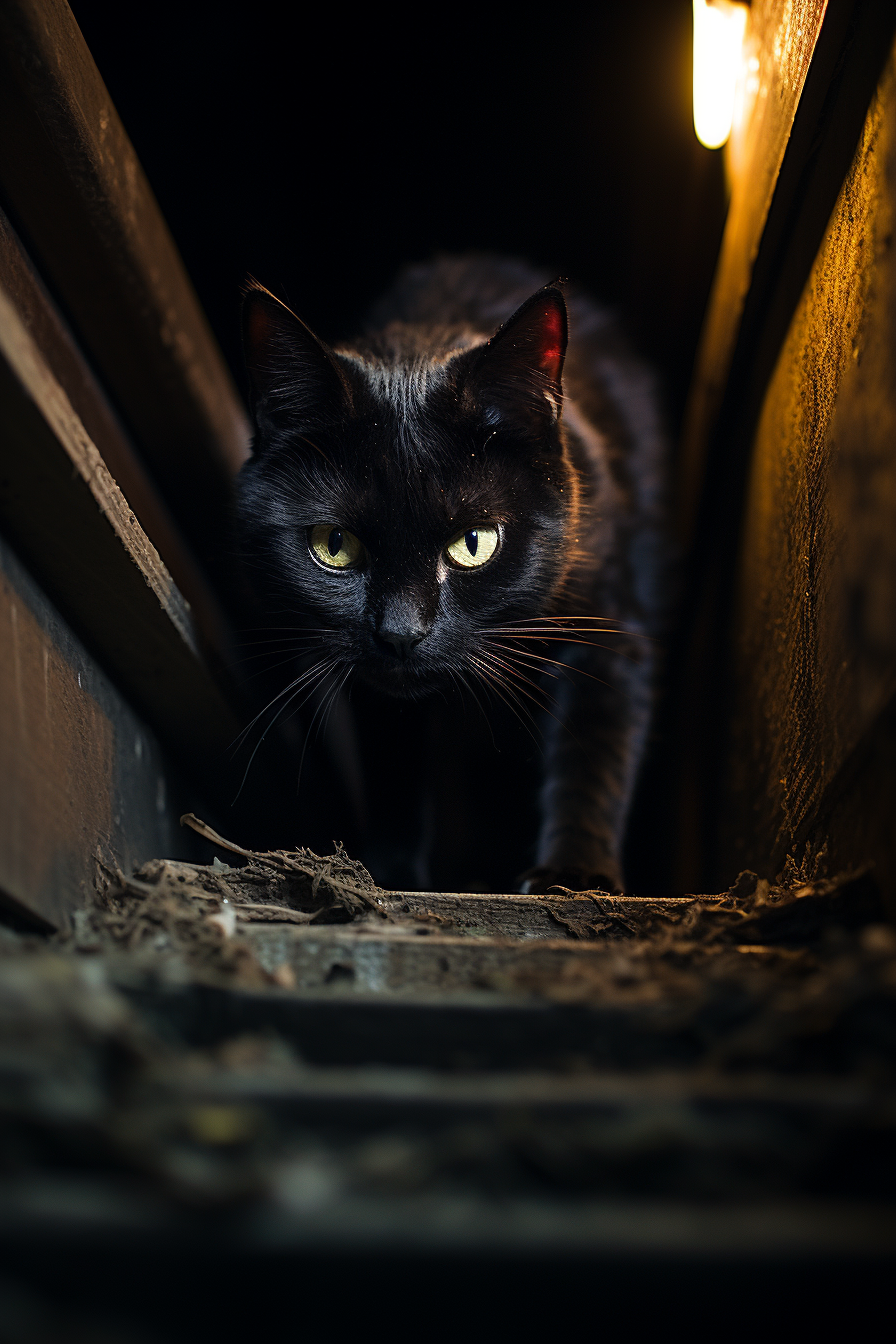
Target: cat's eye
{"points": [[334, 546], [473, 547]]}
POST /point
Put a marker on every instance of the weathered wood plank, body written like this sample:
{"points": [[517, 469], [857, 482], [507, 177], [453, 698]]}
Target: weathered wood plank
{"points": [[384, 961], [82, 779], [555, 916], [815, 656], [40, 317], [81, 201], [788, 164], [63, 511]]}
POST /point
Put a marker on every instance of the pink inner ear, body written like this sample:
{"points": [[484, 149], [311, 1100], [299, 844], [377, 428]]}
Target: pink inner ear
{"points": [[552, 343]]}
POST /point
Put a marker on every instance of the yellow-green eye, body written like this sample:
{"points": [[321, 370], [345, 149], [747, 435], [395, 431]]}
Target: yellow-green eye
{"points": [[334, 546], [473, 547]]}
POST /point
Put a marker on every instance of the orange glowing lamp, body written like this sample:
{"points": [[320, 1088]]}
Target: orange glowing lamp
{"points": [[719, 28]]}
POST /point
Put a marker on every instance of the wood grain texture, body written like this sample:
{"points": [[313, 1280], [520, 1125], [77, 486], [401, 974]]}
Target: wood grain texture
{"points": [[67, 517], [82, 779], [554, 916], [81, 201], [747, 324], [37, 313], [815, 643], [398, 960]]}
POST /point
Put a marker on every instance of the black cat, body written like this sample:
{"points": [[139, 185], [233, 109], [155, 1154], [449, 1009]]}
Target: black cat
{"points": [[457, 523]]}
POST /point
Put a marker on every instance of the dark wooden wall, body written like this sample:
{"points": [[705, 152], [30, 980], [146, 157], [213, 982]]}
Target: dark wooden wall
{"points": [[812, 759], [116, 712], [85, 784], [786, 718]]}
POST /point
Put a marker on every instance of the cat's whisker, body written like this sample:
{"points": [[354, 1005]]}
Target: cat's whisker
{"points": [[560, 620], [297, 648], [333, 697], [308, 692], [558, 636], [540, 658], [585, 643], [550, 712], [493, 681], [272, 667], [556, 631], [280, 711], [268, 667], [286, 689], [326, 701], [511, 670], [577, 625], [566, 635], [290, 629], [522, 662], [296, 640], [512, 675], [294, 656], [279, 639], [545, 639], [460, 680], [274, 642]]}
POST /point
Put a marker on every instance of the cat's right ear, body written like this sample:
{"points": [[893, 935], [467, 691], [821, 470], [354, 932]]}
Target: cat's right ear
{"points": [[294, 376]]}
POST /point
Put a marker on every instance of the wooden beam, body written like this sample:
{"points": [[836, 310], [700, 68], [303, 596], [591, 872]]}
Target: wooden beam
{"points": [[43, 322], [814, 668], [83, 781], [817, 63], [67, 517], [80, 200], [818, 68]]}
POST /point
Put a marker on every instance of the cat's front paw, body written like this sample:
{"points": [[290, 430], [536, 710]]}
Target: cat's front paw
{"points": [[539, 881]]}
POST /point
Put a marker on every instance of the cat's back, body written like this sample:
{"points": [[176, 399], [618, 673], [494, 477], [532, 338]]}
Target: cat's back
{"points": [[611, 397], [473, 293], [453, 302]]}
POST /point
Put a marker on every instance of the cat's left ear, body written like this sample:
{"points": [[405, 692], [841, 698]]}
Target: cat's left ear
{"points": [[294, 376], [518, 373]]}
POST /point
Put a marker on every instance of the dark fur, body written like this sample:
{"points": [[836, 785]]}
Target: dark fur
{"points": [[424, 426]]}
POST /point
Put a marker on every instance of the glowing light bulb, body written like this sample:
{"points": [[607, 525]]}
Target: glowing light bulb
{"points": [[718, 43]]}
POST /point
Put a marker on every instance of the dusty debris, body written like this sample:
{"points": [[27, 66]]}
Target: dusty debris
{"points": [[794, 906], [167, 919], [796, 974], [326, 890], [784, 983], [191, 915]]}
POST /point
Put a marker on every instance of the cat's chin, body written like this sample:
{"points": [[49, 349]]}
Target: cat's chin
{"points": [[398, 680]]}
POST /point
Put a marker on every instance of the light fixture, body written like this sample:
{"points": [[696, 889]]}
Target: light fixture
{"points": [[719, 27]]}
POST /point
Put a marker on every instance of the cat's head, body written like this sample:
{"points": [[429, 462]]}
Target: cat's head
{"points": [[406, 497]]}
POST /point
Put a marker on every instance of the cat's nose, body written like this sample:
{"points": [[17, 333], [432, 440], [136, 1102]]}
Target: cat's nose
{"points": [[398, 645], [398, 639]]}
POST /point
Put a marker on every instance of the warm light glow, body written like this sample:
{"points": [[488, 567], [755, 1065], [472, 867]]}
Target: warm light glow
{"points": [[718, 45]]}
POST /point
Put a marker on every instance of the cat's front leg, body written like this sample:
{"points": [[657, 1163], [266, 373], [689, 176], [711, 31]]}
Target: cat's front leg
{"points": [[594, 744]]}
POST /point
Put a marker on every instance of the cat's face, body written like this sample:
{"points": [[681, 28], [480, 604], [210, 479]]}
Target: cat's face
{"points": [[402, 508]]}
